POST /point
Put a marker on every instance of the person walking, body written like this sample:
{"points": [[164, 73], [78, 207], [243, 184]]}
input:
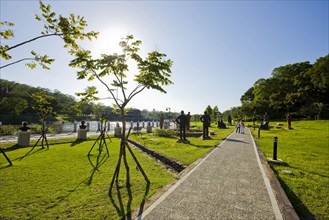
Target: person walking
{"points": [[237, 130], [242, 127]]}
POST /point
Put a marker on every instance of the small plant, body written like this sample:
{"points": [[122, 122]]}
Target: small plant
{"points": [[169, 133], [8, 130]]}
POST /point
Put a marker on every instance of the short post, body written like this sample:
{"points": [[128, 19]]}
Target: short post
{"points": [[117, 130], [149, 128], [23, 139], [275, 147], [82, 134], [259, 132]]}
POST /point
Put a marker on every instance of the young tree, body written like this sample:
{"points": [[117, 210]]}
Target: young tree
{"points": [[209, 110], [112, 71], [70, 29], [102, 114], [42, 105], [216, 114]]}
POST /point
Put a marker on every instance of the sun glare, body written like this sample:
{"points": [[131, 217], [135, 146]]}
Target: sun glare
{"points": [[108, 40], [108, 43]]}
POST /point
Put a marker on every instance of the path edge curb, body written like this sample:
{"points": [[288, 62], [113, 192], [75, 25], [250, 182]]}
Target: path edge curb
{"points": [[287, 210]]}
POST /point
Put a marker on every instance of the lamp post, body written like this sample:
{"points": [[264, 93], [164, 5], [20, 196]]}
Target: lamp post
{"points": [[168, 109], [153, 117]]}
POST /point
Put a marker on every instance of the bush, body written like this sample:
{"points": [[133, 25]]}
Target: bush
{"points": [[37, 129], [8, 129], [169, 133]]}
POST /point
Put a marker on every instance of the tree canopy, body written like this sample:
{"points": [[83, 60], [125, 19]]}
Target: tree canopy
{"points": [[301, 89]]}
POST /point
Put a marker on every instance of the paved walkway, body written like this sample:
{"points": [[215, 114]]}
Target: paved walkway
{"points": [[13, 138], [229, 183]]}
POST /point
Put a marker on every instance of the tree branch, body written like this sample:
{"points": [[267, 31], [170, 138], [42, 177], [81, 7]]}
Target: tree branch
{"points": [[33, 39], [9, 64], [108, 88], [133, 94], [120, 80]]}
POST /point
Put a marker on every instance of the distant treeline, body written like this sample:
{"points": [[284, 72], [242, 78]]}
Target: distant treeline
{"points": [[16, 105], [301, 89]]}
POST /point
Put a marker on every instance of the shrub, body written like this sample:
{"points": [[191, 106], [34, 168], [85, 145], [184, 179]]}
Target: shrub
{"points": [[169, 133], [37, 128], [8, 129]]}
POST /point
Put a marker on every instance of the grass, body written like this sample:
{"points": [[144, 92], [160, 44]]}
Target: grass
{"points": [[305, 151], [54, 183], [184, 153]]}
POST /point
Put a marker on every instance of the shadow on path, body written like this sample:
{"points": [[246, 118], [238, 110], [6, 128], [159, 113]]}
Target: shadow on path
{"points": [[235, 140]]}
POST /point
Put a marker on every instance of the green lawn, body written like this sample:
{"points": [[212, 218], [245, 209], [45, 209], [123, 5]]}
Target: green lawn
{"points": [[54, 183], [184, 153], [305, 150]]}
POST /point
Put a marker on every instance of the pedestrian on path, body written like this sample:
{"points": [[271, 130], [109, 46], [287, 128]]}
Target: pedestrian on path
{"points": [[242, 127], [237, 130]]}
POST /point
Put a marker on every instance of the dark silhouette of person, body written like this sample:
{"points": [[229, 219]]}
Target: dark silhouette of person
{"points": [[83, 126], [221, 124], [161, 120], [24, 127], [188, 121], [181, 120], [229, 120], [205, 122]]}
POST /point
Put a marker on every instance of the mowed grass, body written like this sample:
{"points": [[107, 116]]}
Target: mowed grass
{"points": [[184, 153], [53, 184], [305, 150]]}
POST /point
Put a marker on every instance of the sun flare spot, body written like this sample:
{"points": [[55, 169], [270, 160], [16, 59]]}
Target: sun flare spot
{"points": [[109, 39]]}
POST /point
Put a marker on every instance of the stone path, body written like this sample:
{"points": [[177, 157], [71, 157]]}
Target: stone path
{"points": [[229, 183], [13, 138]]}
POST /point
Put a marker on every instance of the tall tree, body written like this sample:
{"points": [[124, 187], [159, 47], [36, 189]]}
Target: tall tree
{"points": [[216, 114], [112, 72], [210, 111], [313, 85], [285, 94]]}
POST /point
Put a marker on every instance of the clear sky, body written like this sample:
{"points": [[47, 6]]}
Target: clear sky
{"points": [[219, 48]]}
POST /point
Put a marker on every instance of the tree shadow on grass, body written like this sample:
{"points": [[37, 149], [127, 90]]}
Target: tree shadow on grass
{"points": [[200, 146], [124, 209], [101, 157], [302, 211], [61, 198], [30, 153], [76, 142]]}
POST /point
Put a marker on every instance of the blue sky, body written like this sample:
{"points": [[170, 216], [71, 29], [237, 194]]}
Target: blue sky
{"points": [[219, 48]]}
